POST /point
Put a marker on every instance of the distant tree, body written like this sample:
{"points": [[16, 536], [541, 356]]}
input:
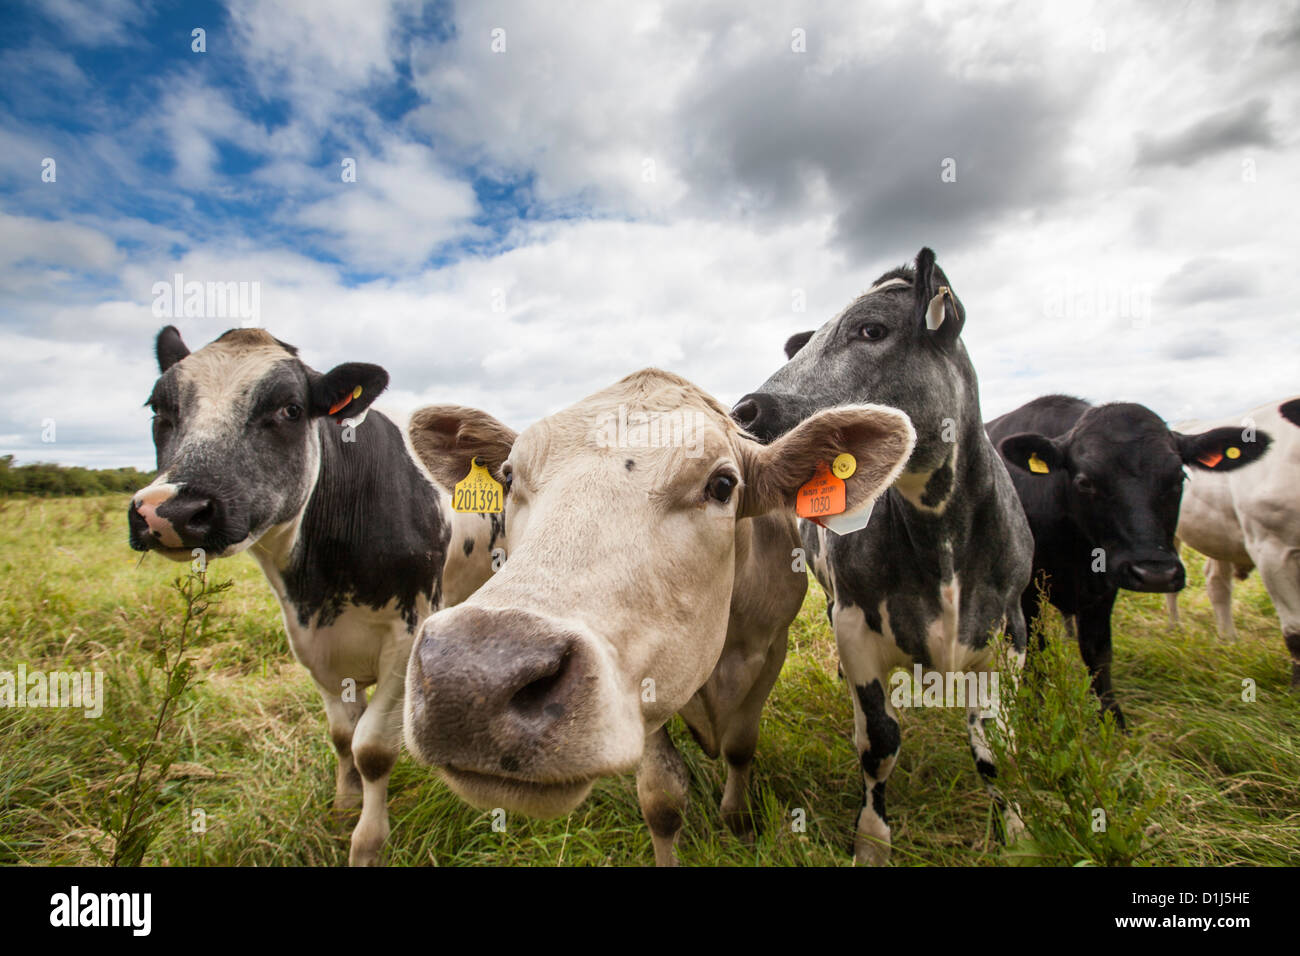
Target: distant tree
{"points": [[45, 479]]}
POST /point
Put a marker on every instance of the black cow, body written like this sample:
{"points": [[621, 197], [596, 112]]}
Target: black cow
{"points": [[1101, 486], [946, 553], [257, 451]]}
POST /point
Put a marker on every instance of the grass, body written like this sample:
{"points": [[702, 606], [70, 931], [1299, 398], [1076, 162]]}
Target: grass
{"points": [[253, 753]]}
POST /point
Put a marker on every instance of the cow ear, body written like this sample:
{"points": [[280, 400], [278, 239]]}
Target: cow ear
{"points": [[937, 308], [1290, 411], [1222, 449], [447, 439], [347, 390], [880, 440], [1036, 454], [795, 342], [169, 348]]}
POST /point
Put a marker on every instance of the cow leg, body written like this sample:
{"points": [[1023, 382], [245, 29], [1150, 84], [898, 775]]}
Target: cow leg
{"points": [[1012, 827], [977, 719], [342, 717], [876, 732], [661, 784], [1171, 599], [374, 748], [740, 739], [1095, 648], [1279, 567], [1218, 584]]}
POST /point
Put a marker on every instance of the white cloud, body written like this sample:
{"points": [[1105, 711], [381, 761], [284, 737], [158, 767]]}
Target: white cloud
{"points": [[399, 210], [27, 241], [759, 155]]}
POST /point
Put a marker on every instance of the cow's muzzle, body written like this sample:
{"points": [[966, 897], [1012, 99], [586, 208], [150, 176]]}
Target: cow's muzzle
{"points": [[1160, 575], [177, 520], [503, 702]]}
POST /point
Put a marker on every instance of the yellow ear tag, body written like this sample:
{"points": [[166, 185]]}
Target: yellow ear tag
{"points": [[1036, 464], [478, 492], [1233, 451], [844, 466]]}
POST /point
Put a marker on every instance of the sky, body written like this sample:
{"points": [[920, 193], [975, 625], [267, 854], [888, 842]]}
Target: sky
{"points": [[512, 205]]}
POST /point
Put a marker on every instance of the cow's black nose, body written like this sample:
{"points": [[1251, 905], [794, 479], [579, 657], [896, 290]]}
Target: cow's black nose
{"points": [[757, 414], [193, 518], [1158, 576], [745, 412]]}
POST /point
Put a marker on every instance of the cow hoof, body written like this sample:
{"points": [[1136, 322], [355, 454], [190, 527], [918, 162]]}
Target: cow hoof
{"points": [[740, 823], [665, 853], [365, 852], [870, 854], [871, 848]]}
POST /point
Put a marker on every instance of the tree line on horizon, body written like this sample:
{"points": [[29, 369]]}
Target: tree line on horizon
{"points": [[48, 480]]}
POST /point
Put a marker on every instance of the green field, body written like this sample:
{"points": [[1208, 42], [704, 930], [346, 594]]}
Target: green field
{"points": [[1222, 774]]}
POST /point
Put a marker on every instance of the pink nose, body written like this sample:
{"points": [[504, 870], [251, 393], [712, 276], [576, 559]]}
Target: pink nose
{"points": [[146, 505]]}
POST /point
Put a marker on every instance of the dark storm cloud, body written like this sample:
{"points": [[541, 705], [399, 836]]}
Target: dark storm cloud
{"points": [[1244, 125], [874, 135]]}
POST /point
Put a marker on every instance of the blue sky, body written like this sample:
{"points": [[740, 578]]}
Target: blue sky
{"points": [[548, 196]]}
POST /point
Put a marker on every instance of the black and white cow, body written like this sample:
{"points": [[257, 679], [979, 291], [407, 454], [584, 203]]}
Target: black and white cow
{"points": [[946, 554], [1251, 519], [1101, 487], [258, 452]]}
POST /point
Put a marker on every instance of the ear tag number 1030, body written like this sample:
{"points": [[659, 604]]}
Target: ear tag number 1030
{"points": [[821, 496], [478, 492]]}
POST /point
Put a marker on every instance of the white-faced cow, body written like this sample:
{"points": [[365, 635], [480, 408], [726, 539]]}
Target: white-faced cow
{"points": [[942, 562], [1101, 486], [258, 452], [1251, 519], [647, 576]]}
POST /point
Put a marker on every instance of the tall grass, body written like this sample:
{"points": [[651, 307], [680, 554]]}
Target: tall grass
{"points": [[252, 753]]}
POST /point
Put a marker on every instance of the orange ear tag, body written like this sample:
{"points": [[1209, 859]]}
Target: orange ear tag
{"points": [[821, 496], [343, 402], [1211, 458]]}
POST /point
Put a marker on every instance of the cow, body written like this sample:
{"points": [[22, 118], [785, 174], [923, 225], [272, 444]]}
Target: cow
{"points": [[1249, 519], [943, 558], [258, 452], [1101, 487], [650, 574]]}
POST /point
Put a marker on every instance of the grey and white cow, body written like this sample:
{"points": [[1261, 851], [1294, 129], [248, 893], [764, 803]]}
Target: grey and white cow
{"points": [[1250, 519], [258, 452], [646, 577], [946, 554]]}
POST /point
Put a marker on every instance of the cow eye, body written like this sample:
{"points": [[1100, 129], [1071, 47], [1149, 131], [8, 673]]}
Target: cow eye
{"points": [[720, 487], [873, 331], [1085, 484], [507, 476], [291, 412]]}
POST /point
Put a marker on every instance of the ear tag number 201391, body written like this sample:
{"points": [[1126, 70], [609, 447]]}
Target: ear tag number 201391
{"points": [[478, 492]]}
